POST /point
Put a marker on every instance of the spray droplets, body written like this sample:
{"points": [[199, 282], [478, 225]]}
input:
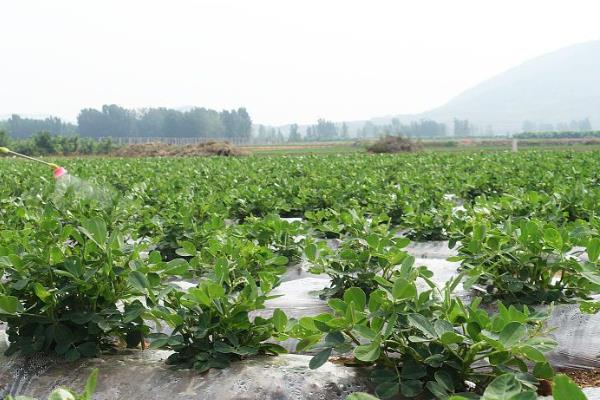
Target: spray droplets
{"points": [[68, 185]]}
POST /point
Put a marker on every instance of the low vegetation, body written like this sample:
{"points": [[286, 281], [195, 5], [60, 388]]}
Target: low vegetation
{"points": [[393, 144], [199, 244]]}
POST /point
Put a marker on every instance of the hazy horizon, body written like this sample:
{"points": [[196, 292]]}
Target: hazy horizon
{"points": [[284, 61]]}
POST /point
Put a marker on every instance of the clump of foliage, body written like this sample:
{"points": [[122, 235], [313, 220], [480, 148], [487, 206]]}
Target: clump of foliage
{"points": [[278, 235], [359, 261], [3, 138], [393, 144], [529, 262], [430, 343], [62, 287], [508, 387], [45, 144], [212, 324], [243, 259]]}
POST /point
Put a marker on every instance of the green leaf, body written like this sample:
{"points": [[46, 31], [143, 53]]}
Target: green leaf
{"points": [[224, 348], [437, 390], [423, 324], [138, 280], [279, 320], [177, 266], [187, 249], [279, 260], [72, 355], [593, 249], [199, 295], [365, 332], [589, 307], [320, 358], [90, 385], [451, 337], [553, 238], [61, 394], [10, 305], [159, 340], [407, 266], [215, 291], [543, 370], [311, 251], [512, 334], [368, 352], [95, 229], [41, 292], [445, 380], [565, 389], [529, 395], [361, 396], [532, 353], [503, 387], [386, 390], [88, 349], [403, 289], [411, 388], [356, 296]]}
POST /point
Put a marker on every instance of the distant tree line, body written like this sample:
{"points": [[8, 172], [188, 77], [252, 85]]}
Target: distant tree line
{"points": [[323, 130], [19, 127], [582, 125], [418, 129], [43, 143], [115, 121], [558, 135]]}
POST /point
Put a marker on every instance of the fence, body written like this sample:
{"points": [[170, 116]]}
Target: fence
{"points": [[184, 141], [179, 141]]}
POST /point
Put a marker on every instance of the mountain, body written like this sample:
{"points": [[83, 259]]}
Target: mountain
{"points": [[554, 88]]}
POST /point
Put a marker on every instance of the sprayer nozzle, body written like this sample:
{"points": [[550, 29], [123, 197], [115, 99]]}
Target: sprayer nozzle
{"points": [[59, 171], [4, 150]]}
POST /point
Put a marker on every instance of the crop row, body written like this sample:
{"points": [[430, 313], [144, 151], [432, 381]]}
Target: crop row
{"points": [[95, 267]]}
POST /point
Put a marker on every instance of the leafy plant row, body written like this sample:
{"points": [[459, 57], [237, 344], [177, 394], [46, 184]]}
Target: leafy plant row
{"points": [[84, 274]]}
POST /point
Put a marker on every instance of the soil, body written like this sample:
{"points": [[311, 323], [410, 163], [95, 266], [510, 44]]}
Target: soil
{"points": [[584, 377], [210, 148]]}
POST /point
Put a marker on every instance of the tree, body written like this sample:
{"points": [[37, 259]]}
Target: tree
{"points": [[294, 134], [529, 126], [585, 125], [113, 120], [44, 143], [323, 130], [462, 127], [344, 134], [19, 127], [3, 138]]}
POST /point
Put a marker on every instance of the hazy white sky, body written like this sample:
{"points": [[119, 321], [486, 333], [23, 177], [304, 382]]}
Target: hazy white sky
{"points": [[286, 61]]}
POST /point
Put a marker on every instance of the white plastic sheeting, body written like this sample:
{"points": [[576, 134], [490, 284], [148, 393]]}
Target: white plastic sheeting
{"points": [[578, 337]]}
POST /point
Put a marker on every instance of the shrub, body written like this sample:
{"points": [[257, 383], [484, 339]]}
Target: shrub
{"points": [[429, 343], [63, 286], [359, 262], [212, 324], [4, 139], [527, 262], [393, 144]]}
